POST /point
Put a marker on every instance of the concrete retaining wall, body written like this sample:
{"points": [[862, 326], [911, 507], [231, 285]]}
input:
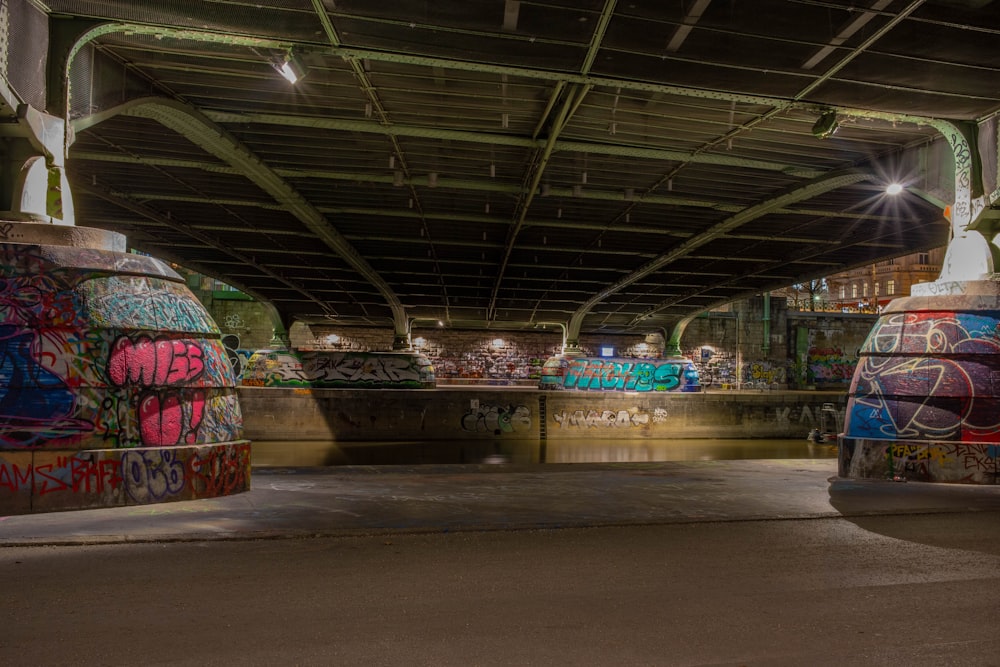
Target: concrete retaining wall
{"points": [[470, 413]]}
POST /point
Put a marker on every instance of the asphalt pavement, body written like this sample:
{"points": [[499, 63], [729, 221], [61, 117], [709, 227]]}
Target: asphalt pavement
{"points": [[773, 563], [364, 500]]}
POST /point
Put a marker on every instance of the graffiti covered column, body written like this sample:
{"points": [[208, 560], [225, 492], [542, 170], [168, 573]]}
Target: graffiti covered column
{"points": [[924, 403], [115, 387], [114, 384]]}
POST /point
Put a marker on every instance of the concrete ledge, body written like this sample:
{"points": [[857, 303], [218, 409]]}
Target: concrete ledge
{"points": [[46, 481]]}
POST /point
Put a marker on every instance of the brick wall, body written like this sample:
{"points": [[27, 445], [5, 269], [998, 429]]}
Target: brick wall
{"points": [[473, 354], [728, 347]]}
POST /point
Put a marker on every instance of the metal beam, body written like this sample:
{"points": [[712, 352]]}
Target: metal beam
{"points": [[454, 184], [371, 127], [812, 189], [571, 103], [204, 239], [191, 124]]}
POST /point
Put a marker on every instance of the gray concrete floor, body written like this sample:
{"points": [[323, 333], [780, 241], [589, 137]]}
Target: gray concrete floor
{"points": [[701, 563]]}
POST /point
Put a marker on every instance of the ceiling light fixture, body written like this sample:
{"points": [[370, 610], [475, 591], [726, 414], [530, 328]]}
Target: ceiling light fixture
{"points": [[893, 189], [290, 67]]}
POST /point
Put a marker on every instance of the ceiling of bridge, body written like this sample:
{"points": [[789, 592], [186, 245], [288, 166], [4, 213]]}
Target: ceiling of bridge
{"points": [[503, 163]]}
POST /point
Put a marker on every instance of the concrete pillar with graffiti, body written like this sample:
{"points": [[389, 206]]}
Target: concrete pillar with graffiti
{"points": [[924, 402], [115, 388]]}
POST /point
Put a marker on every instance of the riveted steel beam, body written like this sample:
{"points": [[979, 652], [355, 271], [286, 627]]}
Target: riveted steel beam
{"points": [[812, 189], [191, 124]]}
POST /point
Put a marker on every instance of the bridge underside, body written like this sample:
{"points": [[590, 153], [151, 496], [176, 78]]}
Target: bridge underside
{"points": [[504, 164]]}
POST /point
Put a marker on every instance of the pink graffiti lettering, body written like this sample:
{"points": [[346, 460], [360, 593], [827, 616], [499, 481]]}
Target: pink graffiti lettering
{"points": [[148, 363], [197, 405], [163, 420]]}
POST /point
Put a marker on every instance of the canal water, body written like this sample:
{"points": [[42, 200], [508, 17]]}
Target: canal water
{"points": [[500, 451]]}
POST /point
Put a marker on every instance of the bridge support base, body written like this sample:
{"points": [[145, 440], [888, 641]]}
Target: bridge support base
{"points": [[114, 384], [924, 404]]}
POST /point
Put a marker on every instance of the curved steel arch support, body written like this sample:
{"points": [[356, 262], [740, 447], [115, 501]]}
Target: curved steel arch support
{"points": [[199, 129], [811, 189]]}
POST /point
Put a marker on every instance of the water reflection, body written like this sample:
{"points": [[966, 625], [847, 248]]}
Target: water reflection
{"points": [[298, 453]]}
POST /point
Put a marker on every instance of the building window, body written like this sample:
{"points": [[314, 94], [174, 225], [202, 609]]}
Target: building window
{"points": [[864, 290], [854, 291], [923, 258], [876, 289], [890, 287], [843, 291]]}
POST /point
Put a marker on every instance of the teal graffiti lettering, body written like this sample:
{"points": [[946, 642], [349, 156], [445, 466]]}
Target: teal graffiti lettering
{"points": [[667, 377], [641, 378], [574, 372]]}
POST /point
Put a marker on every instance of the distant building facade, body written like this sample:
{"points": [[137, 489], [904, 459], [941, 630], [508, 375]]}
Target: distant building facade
{"points": [[869, 288]]}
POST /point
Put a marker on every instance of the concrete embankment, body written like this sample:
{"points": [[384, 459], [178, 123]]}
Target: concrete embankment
{"points": [[310, 418]]}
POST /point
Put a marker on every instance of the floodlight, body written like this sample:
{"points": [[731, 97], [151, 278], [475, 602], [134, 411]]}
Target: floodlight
{"points": [[290, 67]]}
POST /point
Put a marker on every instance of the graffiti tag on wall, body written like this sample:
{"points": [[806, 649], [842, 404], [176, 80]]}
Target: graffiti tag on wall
{"points": [[143, 475], [922, 461], [283, 368], [830, 365], [608, 418], [617, 375], [496, 419]]}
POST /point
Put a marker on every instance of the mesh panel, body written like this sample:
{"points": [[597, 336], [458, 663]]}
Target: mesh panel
{"points": [[80, 80], [27, 50], [988, 150], [294, 18]]}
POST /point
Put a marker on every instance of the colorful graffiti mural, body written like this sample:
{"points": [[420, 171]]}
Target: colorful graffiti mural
{"points": [[830, 365], [596, 374], [103, 350], [924, 400], [929, 375], [357, 370]]}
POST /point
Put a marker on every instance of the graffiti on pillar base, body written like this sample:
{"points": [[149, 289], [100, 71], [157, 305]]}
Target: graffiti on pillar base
{"points": [[632, 417], [928, 376], [496, 419], [144, 475], [590, 374], [100, 349]]}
